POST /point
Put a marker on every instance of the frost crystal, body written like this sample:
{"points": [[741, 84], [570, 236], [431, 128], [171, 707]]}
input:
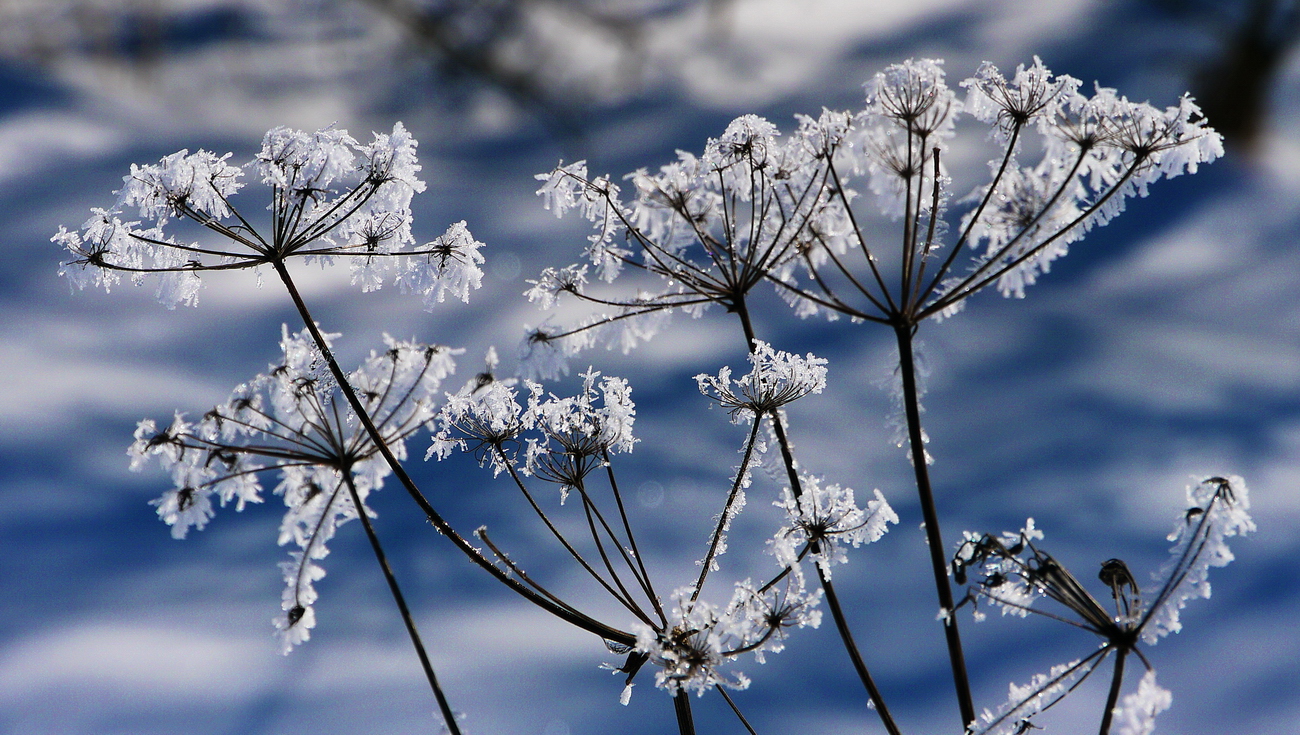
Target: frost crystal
{"points": [[289, 420], [1023, 702], [1218, 510], [1137, 712], [776, 379], [691, 653], [330, 197], [825, 519]]}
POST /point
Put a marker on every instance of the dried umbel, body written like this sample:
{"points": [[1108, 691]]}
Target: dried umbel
{"points": [[757, 207], [290, 421], [776, 379], [330, 197], [1015, 573]]}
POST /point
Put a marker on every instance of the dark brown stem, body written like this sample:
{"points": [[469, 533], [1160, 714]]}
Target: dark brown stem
{"points": [[582, 621], [448, 716], [748, 728], [934, 539], [1116, 680], [682, 706], [724, 519], [841, 624]]}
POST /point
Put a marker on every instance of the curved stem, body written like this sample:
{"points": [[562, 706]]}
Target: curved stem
{"points": [[934, 539], [582, 621], [448, 716], [842, 625], [1116, 680]]}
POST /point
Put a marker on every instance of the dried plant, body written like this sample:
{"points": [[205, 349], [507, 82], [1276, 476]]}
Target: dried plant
{"points": [[754, 208]]}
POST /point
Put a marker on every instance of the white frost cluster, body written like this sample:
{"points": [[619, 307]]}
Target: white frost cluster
{"points": [[760, 207], [1023, 702], [1219, 509], [1017, 591], [702, 640], [1137, 712], [291, 420], [563, 438], [776, 379], [827, 516], [330, 197]]}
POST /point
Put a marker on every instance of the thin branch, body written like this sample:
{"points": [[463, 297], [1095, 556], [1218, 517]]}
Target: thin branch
{"points": [[448, 716]]}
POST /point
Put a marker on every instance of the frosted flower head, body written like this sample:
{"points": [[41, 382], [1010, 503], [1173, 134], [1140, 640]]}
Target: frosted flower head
{"points": [[482, 420], [578, 433], [761, 617], [544, 353], [758, 207], [1031, 96], [288, 421], [330, 197], [747, 145], [776, 379], [179, 184], [913, 96], [1014, 573], [824, 520], [691, 652]]}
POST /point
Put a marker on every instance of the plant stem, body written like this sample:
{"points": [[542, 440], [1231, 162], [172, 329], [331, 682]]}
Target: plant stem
{"points": [[796, 487], [724, 519], [448, 716], [748, 727], [833, 601], [1116, 681], [578, 619], [934, 539], [682, 706]]}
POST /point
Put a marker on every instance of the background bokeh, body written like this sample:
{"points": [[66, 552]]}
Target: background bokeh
{"points": [[1166, 345]]}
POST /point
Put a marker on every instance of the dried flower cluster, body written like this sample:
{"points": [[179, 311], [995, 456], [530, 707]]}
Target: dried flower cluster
{"points": [[1015, 574], [757, 207], [331, 197], [754, 207], [288, 420]]}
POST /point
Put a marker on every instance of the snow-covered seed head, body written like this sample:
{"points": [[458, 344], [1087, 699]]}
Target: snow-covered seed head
{"points": [[330, 197], [913, 95], [776, 379], [825, 520], [288, 421], [1031, 95]]}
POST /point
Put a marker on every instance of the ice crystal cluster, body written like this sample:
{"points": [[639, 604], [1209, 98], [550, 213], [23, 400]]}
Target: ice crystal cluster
{"points": [[330, 197], [569, 438], [759, 207], [775, 379], [825, 520], [289, 420], [1015, 574]]}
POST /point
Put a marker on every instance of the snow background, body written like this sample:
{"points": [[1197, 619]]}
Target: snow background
{"points": [[1166, 345]]}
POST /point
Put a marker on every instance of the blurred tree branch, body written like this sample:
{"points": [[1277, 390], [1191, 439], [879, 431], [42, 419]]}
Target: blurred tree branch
{"points": [[551, 58], [1254, 38]]}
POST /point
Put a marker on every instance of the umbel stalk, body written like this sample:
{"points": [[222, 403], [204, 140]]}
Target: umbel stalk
{"points": [[934, 539], [832, 600], [448, 716]]}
